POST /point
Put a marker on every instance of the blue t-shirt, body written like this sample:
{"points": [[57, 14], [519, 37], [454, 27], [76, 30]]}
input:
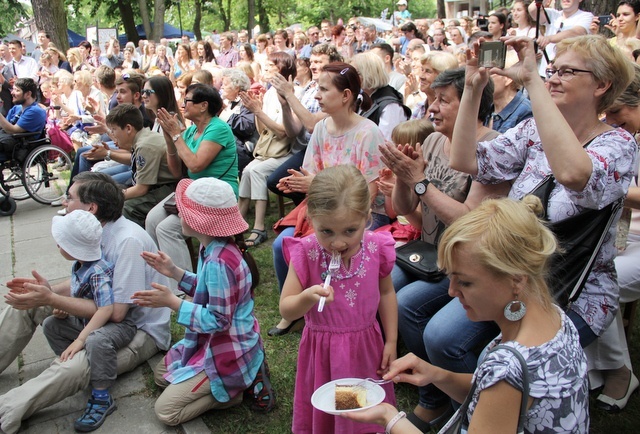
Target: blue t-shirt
{"points": [[31, 119]]}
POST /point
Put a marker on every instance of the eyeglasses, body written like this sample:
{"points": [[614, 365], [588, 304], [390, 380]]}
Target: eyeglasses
{"points": [[564, 74], [189, 100], [147, 92]]}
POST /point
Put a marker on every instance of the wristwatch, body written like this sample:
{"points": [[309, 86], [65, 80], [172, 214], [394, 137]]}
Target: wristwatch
{"points": [[421, 187], [108, 156], [175, 138]]}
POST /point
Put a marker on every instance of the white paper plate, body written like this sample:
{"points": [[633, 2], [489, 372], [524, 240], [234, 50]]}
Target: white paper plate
{"points": [[324, 399]]}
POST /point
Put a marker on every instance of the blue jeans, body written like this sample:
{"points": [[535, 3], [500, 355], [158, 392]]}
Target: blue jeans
{"points": [[121, 174], [428, 318], [279, 263]]}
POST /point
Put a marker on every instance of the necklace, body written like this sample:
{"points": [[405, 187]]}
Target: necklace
{"points": [[591, 133], [353, 271]]}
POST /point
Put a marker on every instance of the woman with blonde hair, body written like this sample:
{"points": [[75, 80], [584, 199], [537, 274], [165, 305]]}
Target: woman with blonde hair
{"points": [[497, 258], [591, 163], [148, 54], [74, 58], [432, 65], [387, 109]]}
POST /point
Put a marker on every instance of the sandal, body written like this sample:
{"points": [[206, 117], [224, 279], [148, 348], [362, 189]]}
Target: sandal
{"points": [[261, 237]]}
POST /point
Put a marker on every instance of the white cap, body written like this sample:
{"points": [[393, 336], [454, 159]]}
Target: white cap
{"points": [[78, 233], [402, 2]]}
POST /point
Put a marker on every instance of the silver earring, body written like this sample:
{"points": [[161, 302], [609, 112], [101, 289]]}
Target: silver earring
{"points": [[515, 310]]}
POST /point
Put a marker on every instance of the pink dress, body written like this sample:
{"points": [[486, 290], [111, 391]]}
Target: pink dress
{"points": [[345, 339]]}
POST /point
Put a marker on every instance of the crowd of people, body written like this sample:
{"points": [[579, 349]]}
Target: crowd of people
{"points": [[384, 141]]}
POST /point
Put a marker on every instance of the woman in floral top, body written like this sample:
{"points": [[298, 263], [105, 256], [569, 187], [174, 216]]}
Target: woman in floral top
{"points": [[592, 163], [496, 257]]}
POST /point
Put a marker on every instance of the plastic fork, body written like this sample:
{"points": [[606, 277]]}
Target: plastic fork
{"points": [[363, 384], [334, 265]]}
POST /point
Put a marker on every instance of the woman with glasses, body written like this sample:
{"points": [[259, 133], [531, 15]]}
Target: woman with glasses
{"points": [[592, 163], [206, 148]]}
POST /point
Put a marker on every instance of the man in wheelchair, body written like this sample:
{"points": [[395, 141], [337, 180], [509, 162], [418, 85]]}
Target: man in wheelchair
{"points": [[24, 117]]}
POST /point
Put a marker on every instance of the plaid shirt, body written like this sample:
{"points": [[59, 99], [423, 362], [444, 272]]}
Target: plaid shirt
{"points": [[228, 59], [222, 336], [92, 281]]}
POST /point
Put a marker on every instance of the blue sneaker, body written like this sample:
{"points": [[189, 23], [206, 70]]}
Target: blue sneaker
{"points": [[95, 414]]}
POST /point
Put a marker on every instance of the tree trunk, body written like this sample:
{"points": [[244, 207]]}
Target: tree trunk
{"points": [[263, 20], [251, 20], [128, 21], [601, 7], [146, 22], [158, 20], [197, 19], [51, 16], [442, 13]]}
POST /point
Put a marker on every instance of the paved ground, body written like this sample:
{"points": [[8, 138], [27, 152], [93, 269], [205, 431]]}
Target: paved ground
{"points": [[26, 244]]}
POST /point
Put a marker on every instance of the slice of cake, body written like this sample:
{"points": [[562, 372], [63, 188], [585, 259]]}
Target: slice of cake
{"points": [[349, 397]]}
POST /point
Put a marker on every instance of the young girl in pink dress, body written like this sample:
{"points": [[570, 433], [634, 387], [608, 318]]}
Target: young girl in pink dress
{"points": [[344, 340]]}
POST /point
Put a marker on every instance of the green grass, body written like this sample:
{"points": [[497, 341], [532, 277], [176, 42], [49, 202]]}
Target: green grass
{"points": [[282, 354]]}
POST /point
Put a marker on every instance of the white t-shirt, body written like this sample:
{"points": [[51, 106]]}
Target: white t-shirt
{"points": [[558, 23]]}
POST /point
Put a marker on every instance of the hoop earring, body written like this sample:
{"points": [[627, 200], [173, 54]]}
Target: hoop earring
{"points": [[515, 315]]}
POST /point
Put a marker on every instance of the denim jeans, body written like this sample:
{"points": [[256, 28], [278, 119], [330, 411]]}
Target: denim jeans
{"points": [[428, 318]]}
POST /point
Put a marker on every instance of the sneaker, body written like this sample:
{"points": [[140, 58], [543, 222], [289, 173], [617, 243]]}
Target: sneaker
{"points": [[59, 201], [261, 392], [62, 211], [95, 414]]}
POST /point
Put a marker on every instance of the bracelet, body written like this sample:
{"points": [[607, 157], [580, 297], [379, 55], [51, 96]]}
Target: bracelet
{"points": [[171, 155], [393, 421]]}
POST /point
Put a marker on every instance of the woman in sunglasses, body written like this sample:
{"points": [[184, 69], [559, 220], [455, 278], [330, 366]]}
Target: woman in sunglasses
{"points": [[206, 148]]}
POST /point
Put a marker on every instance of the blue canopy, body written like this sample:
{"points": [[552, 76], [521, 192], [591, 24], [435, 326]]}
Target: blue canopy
{"points": [[169, 32], [74, 38]]}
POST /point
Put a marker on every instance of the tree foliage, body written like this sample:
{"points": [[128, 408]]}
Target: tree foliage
{"points": [[13, 12], [204, 16]]}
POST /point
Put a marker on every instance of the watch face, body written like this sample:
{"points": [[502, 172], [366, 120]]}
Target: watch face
{"points": [[420, 188]]}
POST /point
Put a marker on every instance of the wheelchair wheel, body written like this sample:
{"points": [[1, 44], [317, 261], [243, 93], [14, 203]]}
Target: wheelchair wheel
{"points": [[7, 205], [46, 173], [12, 181]]}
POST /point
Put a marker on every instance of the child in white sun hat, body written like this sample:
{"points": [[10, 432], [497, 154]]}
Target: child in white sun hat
{"points": [[221, 357], [78, 235]]}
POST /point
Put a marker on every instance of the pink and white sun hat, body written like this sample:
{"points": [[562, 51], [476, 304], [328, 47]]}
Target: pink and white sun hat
{"points": [[209, 206]]}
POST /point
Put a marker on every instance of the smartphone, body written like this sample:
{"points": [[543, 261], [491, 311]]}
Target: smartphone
{"points": [[604, 19], [492, 54]]}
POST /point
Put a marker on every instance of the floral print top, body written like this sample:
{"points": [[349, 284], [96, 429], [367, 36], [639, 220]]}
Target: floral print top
{"points": [[358, 146], [558, 380], [518, 156]]}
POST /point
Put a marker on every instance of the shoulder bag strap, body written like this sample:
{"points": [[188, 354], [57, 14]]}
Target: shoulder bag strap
{"points": [[525, 383]]}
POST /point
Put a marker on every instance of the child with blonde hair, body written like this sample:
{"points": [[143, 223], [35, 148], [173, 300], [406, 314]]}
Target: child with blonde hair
{"points": [[411, 132], [344, 339]]}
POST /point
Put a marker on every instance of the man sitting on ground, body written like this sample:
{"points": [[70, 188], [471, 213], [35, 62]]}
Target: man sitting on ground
{"points": [[31, 301]]}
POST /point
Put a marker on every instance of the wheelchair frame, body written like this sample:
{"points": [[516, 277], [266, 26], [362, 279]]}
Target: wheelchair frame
{"points": [[32, 172]]}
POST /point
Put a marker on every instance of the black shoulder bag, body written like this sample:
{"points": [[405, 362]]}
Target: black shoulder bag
{"points": [[580, 238]]}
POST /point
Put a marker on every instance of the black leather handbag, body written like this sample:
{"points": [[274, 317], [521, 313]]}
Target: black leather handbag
{"points": [[419, 259]]}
